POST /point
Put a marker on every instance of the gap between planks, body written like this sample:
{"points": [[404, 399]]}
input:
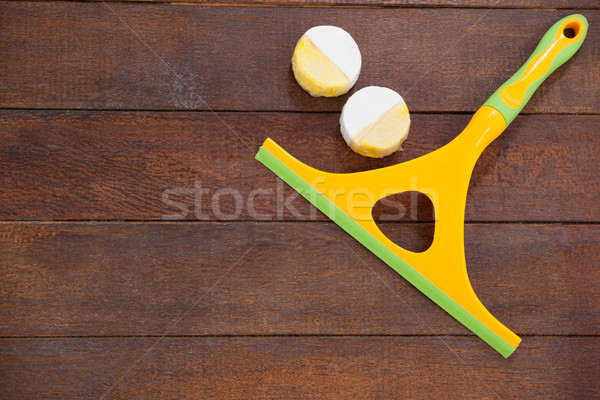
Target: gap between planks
{"points": [[273, 111], [282, 335], [192, 221]]}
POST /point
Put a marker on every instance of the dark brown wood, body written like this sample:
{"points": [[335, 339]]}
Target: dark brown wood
{"points": [[161, 56], [110, 165], [298, 368], [578, 4], [280, 278], [281, 309]]}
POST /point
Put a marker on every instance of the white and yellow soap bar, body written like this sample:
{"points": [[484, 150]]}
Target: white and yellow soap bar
{"points": [[375, 121], [326, 61]]}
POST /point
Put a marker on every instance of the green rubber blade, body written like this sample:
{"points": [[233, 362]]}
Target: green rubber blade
{"points": [[380, 250]]}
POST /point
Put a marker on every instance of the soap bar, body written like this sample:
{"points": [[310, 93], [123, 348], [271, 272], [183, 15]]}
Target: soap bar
{"points": [[375, 121], [326, 61]]}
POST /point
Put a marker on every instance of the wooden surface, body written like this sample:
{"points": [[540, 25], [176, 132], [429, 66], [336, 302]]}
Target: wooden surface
{"points": [[163, 57], [299, 367], [140, 276], [108, 136], [119, 165], [573, 4]]}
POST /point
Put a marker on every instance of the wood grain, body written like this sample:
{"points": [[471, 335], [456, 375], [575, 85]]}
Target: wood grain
{"points": [[138, 165], [166, 57], [578, 4], [280, 278], [298, 368], [281, 308]]}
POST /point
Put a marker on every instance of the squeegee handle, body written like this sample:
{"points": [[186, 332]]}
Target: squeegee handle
{"points": [[557, 46]]}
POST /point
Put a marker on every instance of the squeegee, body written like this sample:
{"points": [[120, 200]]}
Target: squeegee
{"points": [[443, 175]]}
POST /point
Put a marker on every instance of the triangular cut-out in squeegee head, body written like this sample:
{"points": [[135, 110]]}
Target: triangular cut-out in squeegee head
{"points": [[443, 175]]}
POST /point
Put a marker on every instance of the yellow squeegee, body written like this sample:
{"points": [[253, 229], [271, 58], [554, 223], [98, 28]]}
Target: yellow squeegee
{"points": [[443, 175]]}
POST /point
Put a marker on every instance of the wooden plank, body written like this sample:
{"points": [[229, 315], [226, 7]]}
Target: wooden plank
{"points": [[298, 368], [280, 278], [137, 165], [166, 57], [577, 4]]}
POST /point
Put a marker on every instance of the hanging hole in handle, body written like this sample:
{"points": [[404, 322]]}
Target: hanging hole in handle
{"points": [[573, 29], [569, 33]]}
